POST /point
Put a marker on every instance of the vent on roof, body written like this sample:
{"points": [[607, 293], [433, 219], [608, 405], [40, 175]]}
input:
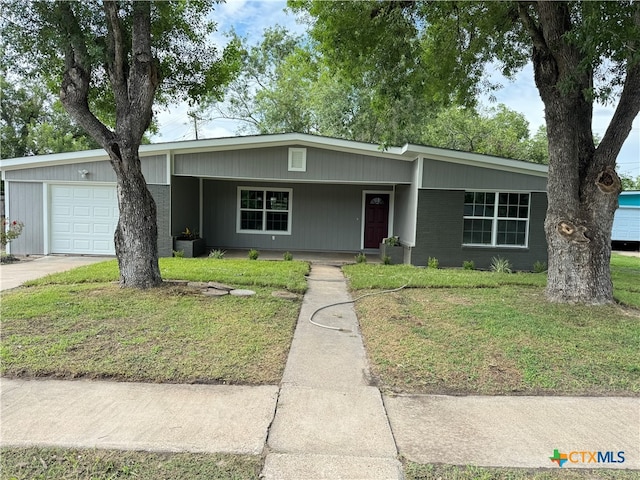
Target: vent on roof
{"points": [[297, 159]]}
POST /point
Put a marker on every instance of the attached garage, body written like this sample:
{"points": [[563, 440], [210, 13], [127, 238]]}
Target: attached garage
{"points": [[83, 219]]}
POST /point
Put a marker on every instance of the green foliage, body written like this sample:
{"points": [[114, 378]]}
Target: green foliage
{"points": [[494, 131], [287, 275], [178, 253], [468, 265], [72, 464], [361, 258], [287, 256], [217, 254], [630, 183], [392, 241], [433, 262], [386, 260], [539, 267], [253, 254], [500, 265], [9, 231], [35, 123], [190, 65]]}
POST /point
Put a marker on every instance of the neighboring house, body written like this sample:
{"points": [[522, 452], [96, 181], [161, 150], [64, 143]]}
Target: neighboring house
{"points": [[292, 192], [626, 222]]}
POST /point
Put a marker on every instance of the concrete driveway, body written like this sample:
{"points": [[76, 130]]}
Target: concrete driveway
{"points": [[13, 275]]}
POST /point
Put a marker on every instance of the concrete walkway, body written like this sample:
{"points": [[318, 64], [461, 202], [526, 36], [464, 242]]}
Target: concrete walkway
{"points": [[13, 275], [324, 421]]}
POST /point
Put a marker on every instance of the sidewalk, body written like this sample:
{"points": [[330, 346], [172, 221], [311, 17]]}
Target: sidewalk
{"points": [[13, 275], [324, 421]]}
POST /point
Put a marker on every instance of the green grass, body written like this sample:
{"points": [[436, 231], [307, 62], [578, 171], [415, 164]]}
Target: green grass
{"points": [[95, 329], [71, 464], [625, 272], [414, 471], [289, 275], [499, 337]]}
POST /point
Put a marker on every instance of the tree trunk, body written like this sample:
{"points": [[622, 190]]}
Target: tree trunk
{"points": [[583, 186], [136, 236], [134, 79]]}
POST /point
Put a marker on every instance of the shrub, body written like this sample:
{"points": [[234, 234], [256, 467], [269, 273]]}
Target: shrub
{"points": [[386, 259], [217, 254], [433, 262], [539, 267], [10, 231], [288, 256], [361, 258], [178, 253], [500, 265], [253, 254], [392, 241], [468, 265]]}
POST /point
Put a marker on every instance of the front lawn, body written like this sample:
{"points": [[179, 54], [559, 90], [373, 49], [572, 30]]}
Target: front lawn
{"points": [[468, 332], [67, 464], [414, 471], [255, 273], [81, 324]]}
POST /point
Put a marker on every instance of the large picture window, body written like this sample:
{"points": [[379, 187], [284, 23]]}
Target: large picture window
{"points": [[496, 219], [262, 210]]}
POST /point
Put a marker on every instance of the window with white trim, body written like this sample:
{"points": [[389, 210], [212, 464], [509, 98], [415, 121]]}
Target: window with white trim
{"points": [[297, 159], [497, 219], [264, 210]]}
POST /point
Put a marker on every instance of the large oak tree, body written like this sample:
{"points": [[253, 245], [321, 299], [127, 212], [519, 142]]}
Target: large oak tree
{"points": [[582, 53], [112, 60]]}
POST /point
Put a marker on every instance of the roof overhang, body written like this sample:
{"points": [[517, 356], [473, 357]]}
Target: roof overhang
{"points": [[409, 152]]}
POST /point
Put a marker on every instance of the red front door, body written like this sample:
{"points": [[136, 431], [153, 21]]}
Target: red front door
{"points": [[376, 219]]}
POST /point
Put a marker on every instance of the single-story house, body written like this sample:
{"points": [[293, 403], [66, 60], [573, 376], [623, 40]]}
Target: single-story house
{"points": [[626, 222], [292, 192]]}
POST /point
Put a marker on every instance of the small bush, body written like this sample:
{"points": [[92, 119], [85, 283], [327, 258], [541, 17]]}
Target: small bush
{"points": [[217, 254], [392, 241], [288, 256], [468, 265], [433, 262], [539, 267], [500, 265], [386, 259], [253, 254], [178, 253], [361, 258]]}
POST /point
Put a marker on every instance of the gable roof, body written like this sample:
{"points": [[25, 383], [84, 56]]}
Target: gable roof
{"points": [[408, 152]]}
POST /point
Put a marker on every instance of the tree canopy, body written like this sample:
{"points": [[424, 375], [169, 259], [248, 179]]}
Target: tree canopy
{"points": [[581, 52], [287, 84]]}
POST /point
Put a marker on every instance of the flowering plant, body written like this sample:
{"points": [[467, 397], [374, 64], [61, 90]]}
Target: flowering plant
{"points": [[10, 231], [188, 234]]}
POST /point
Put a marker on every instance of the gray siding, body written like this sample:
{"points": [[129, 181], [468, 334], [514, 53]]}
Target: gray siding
{"points": [[154, 170], [162, 196], [185, 204], [272, 164], [437, 174], [439, 233], [324, 217], [26, 204], [404, 214]]}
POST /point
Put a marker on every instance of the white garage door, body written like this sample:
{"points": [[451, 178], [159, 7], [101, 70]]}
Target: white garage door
{"points": [[83, 219]]}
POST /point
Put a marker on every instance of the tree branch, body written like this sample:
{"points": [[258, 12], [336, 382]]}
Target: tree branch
{"points": [[116, 57], [74, 91], [627, 109]]}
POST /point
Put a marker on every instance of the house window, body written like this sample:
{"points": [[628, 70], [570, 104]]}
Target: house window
{"points": [[262, 210], [297, 159], [496, 219]]}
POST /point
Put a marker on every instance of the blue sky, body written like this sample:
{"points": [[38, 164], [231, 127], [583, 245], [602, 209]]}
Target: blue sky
{"points": [[251, 17]]}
